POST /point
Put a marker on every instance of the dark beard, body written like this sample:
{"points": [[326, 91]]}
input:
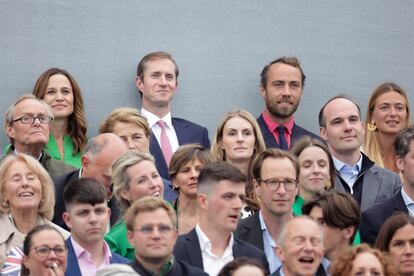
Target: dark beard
{"points": [[281, 113]]}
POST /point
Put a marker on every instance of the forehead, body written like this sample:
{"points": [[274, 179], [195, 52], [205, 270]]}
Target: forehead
{"points": [[313, 153], [303, 228], [127, 127], [226, 186], [141, 168], [18, 167], [283, 71], [404, 233], [59, 79], [30, 106], [340, 108], [237, 122], [390, 97], [159, 65], [46, 237], [277, 168], [86, 206], [156, 216]]}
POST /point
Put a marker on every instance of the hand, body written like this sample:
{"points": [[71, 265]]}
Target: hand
{"points": [[55, 270]]}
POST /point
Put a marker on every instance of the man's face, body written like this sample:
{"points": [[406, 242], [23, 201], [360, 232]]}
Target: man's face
{"points": [[87, 223], [282, 91], [344, 131], [302, 251], [159, 83], [25, 135], [223, 205], [154, 236], [276, 202], [406, 166]]}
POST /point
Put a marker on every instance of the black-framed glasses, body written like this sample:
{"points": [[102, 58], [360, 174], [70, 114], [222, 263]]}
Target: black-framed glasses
{"points": [[28, 120], [273, 183], [149, 229], [44, 250]]}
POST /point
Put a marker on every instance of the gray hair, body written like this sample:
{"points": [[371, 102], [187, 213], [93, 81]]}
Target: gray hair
{"points": [[403, 140], [116, 270]]}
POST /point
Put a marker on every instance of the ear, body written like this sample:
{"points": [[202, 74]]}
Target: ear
{"points": [[139, 83], [25, 261], [220, 143], [66, 219], [124, 193], [348, 232], [322, 132], [130, 237], [400, 162], [256, 186], [202, 201], [363, 127], [280, 253], [262, 91], [85, 162], [10, 131]]}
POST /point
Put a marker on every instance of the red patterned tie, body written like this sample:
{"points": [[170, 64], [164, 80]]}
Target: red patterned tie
{"points": [[165, 142]]}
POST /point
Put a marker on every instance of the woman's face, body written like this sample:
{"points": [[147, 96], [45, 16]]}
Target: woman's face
{"points": [[59, 95], [314, 169], [367, 264], [238, 139], [133, 136], [39, 261], [390, 113], [144, 181], [187, 178], [401, 249], [22, 189]]}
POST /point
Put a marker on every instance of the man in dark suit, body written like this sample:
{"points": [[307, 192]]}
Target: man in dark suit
{"points": [[341, 127], [275, 174], [87, 217], [211, 244], [100, 153], [281, 85], [157, 81], [403, 201]]}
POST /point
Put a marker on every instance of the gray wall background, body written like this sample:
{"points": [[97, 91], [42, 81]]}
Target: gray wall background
{"points": [[220, 47]]}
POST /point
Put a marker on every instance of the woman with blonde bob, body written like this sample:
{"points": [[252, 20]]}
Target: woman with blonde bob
{"points": [[27, 199], [67, 138], [388, 113], [238, 140], [134, 176]]}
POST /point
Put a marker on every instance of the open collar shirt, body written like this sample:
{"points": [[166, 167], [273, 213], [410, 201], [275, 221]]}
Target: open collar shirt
{"points": [[348, 172]]}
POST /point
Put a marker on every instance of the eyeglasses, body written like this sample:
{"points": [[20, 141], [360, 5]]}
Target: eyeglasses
{"points": [[149, 229], [44, 251], [273, 183], [28, 120]]}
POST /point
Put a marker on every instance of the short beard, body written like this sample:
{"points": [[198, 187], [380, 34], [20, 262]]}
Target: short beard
{"points": [[283, 114]]}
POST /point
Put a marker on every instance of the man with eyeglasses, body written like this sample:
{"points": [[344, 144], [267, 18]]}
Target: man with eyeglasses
{"points": [[26, 123], [275, 178], [87, 217], [211, 244], [152, 231]]}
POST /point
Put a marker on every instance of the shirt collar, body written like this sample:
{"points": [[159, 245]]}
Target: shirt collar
{"points": [[79, 250], [153, 119], [271, 126], [407, 199], [339, 164], [205, 243]]}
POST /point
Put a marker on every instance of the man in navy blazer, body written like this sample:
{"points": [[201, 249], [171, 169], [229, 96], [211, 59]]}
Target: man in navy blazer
{"points": [[281, 86], [157, 81], [87, 217], [211, 244], [403, 201]]}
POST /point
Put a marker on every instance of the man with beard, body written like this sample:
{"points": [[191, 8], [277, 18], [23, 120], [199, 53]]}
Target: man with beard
{"points": [[281, 85]]}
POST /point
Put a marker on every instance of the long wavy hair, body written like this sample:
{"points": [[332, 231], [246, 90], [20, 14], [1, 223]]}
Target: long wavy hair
{"points": [[76, 121]]}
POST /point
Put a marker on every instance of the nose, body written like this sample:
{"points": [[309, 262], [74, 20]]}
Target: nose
{"points": [[281, 189], [130, 144], [408, 248], [194, 173], [238, 203], [316, 169], [59, 96], [240, 137], [346, 125], [163, 80], [393, 111]]}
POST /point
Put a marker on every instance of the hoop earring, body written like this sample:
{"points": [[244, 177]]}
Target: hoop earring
{"points": [[372, 126]]}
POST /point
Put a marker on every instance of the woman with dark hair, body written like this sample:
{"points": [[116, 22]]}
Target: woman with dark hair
{"points": [[185, 166], [68, 131], [317, 170], [45, 252], [243, 266], [396, 237]]}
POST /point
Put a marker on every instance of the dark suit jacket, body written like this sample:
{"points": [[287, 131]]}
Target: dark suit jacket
{"points": [[187, 132], [187, 249], [249, 230], [373, 218], [73, 269], [297, 133], [60, 184], [179, 268]]}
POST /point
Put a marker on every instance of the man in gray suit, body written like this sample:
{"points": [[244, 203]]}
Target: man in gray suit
{"points": [[341, 127]]}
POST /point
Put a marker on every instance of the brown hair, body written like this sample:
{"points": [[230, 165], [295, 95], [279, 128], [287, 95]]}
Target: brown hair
{"points": [[292, 61], [76, 121], [388, 229]]}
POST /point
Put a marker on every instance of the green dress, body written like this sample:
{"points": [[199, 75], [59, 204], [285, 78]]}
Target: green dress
{"points": [[118, 241], [70, 158]]}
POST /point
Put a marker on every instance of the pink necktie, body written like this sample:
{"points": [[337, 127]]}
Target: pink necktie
{"points": [[165, 142]]}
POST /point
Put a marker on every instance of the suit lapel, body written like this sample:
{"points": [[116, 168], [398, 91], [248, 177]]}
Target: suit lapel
{"points": [[399, 204], [156, 151], [253, 231], [73, 265], [370, 188], [270, 140], [193, 249], [181, 131]]}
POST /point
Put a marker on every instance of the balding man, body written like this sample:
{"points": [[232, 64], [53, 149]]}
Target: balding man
{"points": [[26, 123], [100, 153]]}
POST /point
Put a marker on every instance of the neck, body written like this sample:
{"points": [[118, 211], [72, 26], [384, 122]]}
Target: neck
{"points": [[34, 150], [153, 265], [274, 223], [219, 238], [96, 249], [59, 127], [339, 250], [25, 220], [159, 111], [242, 165], [188, 206], [350, 158], [408, 187], [278, 120]]}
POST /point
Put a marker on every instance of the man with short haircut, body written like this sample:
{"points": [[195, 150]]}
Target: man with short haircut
{"points": [[341, 127], [87, 217], [26, 123], [300, 247], [157, 81], [100, 153], [281, 86], [339, 214], [152, 230], [403, 201], [275, 178], [211, 244]]}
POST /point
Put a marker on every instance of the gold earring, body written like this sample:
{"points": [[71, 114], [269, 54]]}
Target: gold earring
{"points": [[371, 126]]}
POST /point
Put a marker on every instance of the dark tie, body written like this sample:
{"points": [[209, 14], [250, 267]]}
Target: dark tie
{"points": [[282, 140]]}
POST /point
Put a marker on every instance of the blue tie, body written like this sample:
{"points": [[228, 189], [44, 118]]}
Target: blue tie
{"points": [[282, 140]]}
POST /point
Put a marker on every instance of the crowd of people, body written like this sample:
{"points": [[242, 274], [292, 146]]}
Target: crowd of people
{"points": [[150, 195]]}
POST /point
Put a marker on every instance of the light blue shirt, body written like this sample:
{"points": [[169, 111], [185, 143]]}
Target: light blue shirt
{"points": [[408, 202], [269, 246], [349, 173]]}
